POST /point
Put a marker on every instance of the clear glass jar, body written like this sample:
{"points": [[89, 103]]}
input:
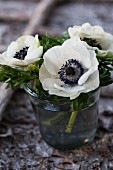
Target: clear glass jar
{"points": [[53, 118]]}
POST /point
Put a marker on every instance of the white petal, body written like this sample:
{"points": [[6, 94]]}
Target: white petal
{"points": [[72, 32], [10, 61], [104, 39], [27, 40], [69, 89], [77, 51], [60, 93], [53, 59], [13, 48], [74, 96], [35, 54], [15, 63], [86, 29], [94, 67], [43, 73], [93, 82], [85, 76], [106, 43], [93, 58], [37, 40], [35, 44], [48, 83], [82, 31], [2, 60], [47, 79]]}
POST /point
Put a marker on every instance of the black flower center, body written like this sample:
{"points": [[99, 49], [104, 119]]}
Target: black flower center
{"points": [[21, 54], [71, 72], [92, 42]]}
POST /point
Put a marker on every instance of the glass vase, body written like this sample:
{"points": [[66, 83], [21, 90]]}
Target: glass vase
{"points": [[54, 119]]}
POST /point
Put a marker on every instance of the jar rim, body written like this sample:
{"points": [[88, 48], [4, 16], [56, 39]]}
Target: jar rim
{"points": [[32, 92]]}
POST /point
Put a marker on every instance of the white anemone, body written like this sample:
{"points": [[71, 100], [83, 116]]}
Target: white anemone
{"points": [[73, 56], [101, 39], [24, 51]]}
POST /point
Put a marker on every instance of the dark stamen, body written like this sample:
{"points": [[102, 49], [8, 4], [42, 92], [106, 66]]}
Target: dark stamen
{"points": [[92, 42], [21, 54], [71, 72]]}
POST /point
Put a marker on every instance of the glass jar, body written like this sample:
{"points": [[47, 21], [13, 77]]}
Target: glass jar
{"points": [[53, 119]]}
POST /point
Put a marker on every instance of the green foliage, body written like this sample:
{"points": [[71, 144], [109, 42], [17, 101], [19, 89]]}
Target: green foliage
{"points": [[16, 77], [84, 100], [105, 68], [48, 42]]}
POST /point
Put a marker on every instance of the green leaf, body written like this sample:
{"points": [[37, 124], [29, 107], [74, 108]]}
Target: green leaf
{"points": [[48, 42]]}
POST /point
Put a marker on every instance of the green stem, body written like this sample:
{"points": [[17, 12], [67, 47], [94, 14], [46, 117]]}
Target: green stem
{"points": [[34, 85], [71, 122]]}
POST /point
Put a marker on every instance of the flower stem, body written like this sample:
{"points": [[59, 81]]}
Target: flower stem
{"points": [[71, 122], [34, 86]]}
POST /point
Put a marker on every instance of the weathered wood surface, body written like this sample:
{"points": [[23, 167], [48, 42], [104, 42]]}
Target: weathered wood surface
{"points": [[39, 16], [108, 90], [79, 13], [16, 10], [5, 95], [14, 17], [21, 145]]}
